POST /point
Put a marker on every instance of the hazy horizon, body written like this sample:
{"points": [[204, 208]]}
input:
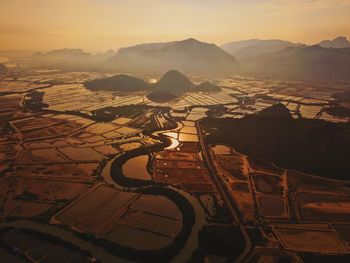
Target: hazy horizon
{"points": [[97, 26]]}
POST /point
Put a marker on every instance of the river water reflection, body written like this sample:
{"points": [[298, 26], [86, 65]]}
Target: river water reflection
{"points": [[136, 168]]}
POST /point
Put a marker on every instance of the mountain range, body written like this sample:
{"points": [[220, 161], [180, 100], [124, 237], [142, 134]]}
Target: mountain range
{"points": [[188, 55], [339, 42], [325, 61], [255, 47], [314, 63]]}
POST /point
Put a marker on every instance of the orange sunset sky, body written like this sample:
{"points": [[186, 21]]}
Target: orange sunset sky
{"points": [[98, 25]]}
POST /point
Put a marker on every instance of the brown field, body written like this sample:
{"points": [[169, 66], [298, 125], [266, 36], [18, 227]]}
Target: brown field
{"points": [[40, 250], [233, 165], [190, 130], [309, 239], [50, 155], [106, 150], [74, 172], [165, 164], [343, 230], [49, 190], [152, 221], [189, 165], [183, 168], [245, 205], [27, 209], [326, 211], [28, 197], [81, 154], [138, 238], [272, 206], [177, 155], [40, 127], [268, 184], [185, 137]]}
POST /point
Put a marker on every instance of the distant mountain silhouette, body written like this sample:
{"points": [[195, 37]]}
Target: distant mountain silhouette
{"points": [[107, 55], [189, 55], [67, 53], [207, 87], [255, 47], [339, 42], [118, 83], [3, 69], [301, 63], [73, 59], [312, 146]]}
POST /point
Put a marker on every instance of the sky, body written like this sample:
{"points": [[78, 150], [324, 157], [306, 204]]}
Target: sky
{"points": [[99, 25]]}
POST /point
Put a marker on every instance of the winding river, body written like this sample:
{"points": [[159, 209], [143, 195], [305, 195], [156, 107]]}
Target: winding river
{"points": [[136, 168]]}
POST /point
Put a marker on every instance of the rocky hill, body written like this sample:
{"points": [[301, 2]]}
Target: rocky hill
{"points": [[312, 146]]}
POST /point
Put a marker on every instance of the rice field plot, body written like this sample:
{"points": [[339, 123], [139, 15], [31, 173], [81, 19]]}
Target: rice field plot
{"points": [[83, 172], [102, 199], [17, 86], [50, 155], [100, 128], [70, 97], [8, 152], [46, 189], [10, 102], [81, 154], [327, 117], [177, 155], [34, 123], [309, 112], [37, 248], [35, 128], [106, 150], [324, 208], [185, 137], [243, 196], [233, 166], [189, 123], [182, 168], [310, 238], [29, 197], [268, 184], [272, 206], [343, 229], [151, 222]]}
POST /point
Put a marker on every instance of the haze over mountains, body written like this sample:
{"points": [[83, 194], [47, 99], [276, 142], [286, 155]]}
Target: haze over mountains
{"points": [[313, 63], [188, 55], [339, 42], [326, 61], [3, 69], [255, 47]]}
